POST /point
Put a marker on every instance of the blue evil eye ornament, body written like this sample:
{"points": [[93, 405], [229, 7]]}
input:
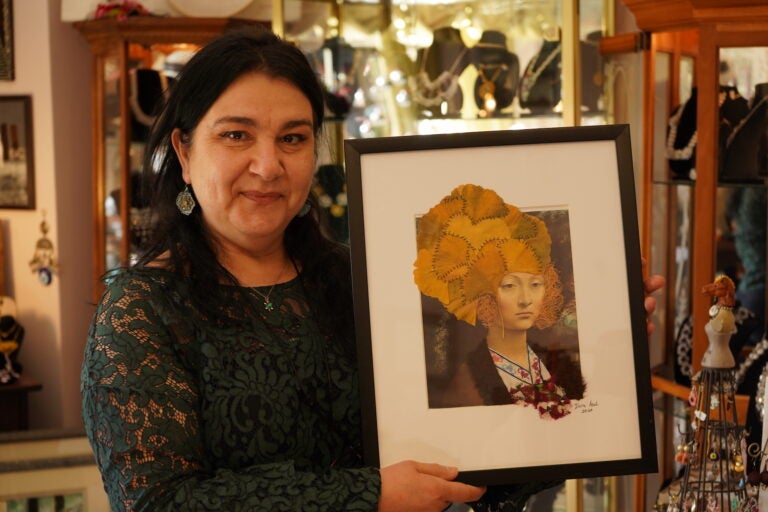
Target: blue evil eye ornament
{"points": [[43, 262]]}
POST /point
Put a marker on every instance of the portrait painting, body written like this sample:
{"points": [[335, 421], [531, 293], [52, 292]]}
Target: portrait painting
{"points": [[498, 305]]}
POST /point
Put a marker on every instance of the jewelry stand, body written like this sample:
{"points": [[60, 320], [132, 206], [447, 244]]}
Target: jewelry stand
{"points": [[715, 474]]}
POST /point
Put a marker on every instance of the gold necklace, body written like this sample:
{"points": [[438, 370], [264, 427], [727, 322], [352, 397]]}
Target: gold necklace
{"points": [[268, 305], [487, 88]]}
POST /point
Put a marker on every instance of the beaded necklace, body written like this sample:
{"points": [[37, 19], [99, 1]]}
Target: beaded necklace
{"points": [[532, 72], [682, 153], [431, 93]]}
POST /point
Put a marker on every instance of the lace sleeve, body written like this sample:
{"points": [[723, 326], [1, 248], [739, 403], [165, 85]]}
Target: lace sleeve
{"points": [[141, 412]]}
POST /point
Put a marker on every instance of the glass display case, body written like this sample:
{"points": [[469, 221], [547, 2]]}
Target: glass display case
{"points": [[419, 67], [704, 187], [389, 68]]}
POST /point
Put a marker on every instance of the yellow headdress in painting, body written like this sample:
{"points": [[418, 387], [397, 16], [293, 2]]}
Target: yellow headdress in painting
{"points": [[469, 241]]}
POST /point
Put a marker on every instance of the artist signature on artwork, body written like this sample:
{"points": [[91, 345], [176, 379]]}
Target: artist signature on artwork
{"points": [[585, 407]]}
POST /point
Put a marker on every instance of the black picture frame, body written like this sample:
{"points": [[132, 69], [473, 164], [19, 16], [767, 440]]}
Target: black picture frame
{"points": [[6, 40], [17, 166], [584, 171]]}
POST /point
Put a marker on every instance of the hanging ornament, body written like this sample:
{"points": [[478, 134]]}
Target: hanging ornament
{"points": [[44, 262]]}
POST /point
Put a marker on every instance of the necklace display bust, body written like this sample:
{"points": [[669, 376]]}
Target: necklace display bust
{"points": [[435, 88], [541, 83], [745, 155], [498, 73], [681, 138]]}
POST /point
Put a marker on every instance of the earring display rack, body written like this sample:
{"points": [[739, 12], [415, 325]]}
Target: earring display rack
{"points": [[715, 475]]}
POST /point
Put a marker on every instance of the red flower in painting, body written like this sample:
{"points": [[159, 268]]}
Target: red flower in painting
{"points": [[545, 397]]}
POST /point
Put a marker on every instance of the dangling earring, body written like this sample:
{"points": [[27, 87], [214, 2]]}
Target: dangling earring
{"points": [[185, 202], [304, 209]]}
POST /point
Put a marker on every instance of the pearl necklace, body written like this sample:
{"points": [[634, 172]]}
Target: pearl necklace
{"points": [[138, 112], [683, 153], [532, 73]]}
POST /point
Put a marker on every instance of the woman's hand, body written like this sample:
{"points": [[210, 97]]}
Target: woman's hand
{"points": [[417, 486], [652, 283]]}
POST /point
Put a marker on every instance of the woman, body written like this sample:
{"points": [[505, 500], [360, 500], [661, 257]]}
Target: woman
{"points": [[486, 261], [219, 372]]}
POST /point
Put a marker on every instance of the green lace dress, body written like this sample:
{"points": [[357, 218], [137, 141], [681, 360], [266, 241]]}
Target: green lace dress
{"points": [[258, 412]]}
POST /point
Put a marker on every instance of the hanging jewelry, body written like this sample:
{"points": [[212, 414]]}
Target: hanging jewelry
{"points": [[683, 454], [268, 305], [737, 463], [486, 90], [304, 209], [682, 153], [185, 202], [431, 93], [692, 398], [43, 262]]}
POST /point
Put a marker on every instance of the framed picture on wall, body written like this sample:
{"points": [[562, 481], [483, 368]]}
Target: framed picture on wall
{"points": [[6, 40], [17, 169], [499, 303]]}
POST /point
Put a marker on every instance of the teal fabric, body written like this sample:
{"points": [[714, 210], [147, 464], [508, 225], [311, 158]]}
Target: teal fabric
{"points": [[257, 411]]}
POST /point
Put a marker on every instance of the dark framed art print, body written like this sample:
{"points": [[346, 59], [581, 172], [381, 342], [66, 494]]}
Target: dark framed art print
{"points": [[498, 296], [17, 169]]}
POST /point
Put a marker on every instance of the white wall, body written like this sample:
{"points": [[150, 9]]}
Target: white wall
{"points": [[52, 64]]}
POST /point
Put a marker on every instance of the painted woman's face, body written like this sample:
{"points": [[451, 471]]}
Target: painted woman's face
{"points": [[520, 298]]}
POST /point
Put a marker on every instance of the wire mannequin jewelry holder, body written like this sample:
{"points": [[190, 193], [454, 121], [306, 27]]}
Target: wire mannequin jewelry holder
{"points": [[715, 475]]}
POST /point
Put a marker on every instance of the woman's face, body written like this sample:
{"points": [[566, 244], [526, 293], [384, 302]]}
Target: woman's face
{"points": [[520, 297], [250, 160]]}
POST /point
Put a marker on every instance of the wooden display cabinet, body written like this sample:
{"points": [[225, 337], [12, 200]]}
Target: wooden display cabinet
{"points": [[121, 51], [682, 219]]}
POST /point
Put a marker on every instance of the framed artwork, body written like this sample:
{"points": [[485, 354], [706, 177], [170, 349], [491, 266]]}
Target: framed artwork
{"points": [[6, 40], [499, 303], [17, 169]]}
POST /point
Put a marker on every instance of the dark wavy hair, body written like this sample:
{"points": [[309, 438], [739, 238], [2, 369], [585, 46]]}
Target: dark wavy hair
{"points": [[182, 241]]}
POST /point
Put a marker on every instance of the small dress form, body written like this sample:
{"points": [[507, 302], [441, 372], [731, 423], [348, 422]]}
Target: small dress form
{"points": [[540, 85], [435, 88], [498, 73], [745, 156]]}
